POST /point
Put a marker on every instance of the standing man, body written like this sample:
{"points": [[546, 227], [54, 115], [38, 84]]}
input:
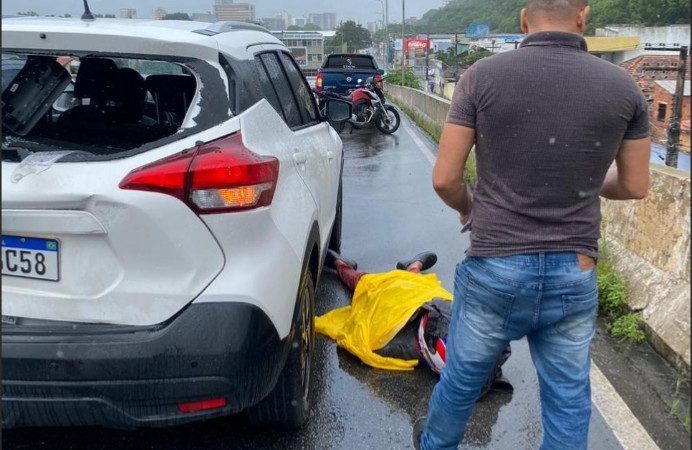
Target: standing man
{"points": [[547, 121]]}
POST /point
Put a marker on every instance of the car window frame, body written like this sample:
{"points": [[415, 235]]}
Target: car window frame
{"points": [[310, 120], [263, 67], [288, 83]]}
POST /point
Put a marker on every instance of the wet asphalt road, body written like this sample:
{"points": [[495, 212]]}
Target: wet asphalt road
{"points": [[390, 213]]}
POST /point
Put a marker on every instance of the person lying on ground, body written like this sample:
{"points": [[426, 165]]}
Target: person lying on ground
{"points": [[397, 318]]}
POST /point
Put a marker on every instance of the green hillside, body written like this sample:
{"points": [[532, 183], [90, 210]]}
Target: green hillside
{"points": [[503, 15]]}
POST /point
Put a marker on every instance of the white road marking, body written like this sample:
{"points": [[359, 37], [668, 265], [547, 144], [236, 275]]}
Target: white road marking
{"points": [[619, 417], [617, 414], [421, 145]]}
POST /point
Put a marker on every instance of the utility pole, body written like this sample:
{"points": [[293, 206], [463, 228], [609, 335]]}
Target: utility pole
{"points": [[674, 127], [456, 45], [386, 33], [403, 36], [427, 61]]}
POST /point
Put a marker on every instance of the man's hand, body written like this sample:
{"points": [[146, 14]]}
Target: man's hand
{"points": [[456, 142]]}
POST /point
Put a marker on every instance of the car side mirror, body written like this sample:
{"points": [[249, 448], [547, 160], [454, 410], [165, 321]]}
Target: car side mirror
{"points": [[337, 110]]}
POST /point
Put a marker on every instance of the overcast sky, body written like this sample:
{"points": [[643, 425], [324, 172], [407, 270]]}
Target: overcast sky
{"points": [[365, 10]]}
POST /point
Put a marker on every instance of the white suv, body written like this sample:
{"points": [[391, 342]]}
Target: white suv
{"points": [[163, 237]]}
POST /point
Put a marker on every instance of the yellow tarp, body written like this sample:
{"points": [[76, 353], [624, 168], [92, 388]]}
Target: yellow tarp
{"points": [[605, 44], [381, 306]]}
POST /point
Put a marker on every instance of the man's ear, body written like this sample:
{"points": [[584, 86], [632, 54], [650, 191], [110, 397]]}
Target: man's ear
{"points": [[524, 21], [581, 18]]}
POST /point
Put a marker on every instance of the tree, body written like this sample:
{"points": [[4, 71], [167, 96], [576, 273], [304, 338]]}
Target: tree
{"points": [[468, 58], [67, 15], [503, 15], [28, 13], [311, 27], [294, 28], [109, 16], [354, 36], [176, 16], [410, 79]]}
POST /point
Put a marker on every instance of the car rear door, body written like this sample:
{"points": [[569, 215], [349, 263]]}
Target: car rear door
{"points": [[316, 147]]}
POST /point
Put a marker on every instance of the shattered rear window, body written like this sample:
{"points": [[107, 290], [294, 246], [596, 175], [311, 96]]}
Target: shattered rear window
{"points": [[98, 105]]}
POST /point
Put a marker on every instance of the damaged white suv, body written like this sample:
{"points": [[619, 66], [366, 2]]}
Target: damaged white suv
{"points": [[165, 216]]}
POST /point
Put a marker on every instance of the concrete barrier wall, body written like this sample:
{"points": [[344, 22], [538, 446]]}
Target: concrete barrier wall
{"points": [[650, 242], [648, 239], [430, 106]]}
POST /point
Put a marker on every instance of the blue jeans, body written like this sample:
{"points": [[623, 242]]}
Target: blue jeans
{"points": [[545, 297]]}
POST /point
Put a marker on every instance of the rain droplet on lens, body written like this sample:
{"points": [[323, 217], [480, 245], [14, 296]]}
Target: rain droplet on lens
{"points": [[551, 140]]}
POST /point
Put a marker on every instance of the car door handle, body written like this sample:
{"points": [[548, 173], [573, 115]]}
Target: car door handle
{"points": [[300, 158]]}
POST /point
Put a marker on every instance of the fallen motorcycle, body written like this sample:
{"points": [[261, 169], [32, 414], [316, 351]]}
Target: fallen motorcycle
{"points": [[369, 107]]}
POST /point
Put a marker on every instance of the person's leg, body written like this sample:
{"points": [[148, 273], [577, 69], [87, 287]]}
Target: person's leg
{"points": [[480, 329], [348, 275], [560, 352]]}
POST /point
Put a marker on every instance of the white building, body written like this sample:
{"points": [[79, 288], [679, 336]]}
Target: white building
{"points": [[670, 36], [127, 13]]}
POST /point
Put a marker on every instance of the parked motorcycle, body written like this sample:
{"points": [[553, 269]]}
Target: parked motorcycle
{"points": [[369, 107]]}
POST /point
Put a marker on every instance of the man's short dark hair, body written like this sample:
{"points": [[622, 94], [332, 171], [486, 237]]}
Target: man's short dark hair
{"points": [[556, 9]]}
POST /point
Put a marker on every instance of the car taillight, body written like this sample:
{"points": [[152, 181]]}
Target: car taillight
{"points": [[318, 82], [219, 176]]}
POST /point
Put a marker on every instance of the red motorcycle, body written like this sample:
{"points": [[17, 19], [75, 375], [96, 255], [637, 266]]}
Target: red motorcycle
{"points": [[369, 107]]}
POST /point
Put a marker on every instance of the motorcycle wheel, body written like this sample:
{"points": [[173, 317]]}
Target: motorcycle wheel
{"points": [[388, 120]]}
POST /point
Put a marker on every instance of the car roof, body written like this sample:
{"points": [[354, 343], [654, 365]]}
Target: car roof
{"points": [[131, 36]]}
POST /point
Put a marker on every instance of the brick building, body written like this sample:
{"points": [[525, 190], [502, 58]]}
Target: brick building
{"points": [[661, 111], [647, 69]]}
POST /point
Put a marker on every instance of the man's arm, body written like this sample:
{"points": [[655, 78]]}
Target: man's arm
{"points": [[629, 177], [456, 142]]}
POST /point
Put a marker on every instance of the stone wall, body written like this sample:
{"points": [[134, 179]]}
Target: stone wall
{"points": [[648, 239], [650, 243]]}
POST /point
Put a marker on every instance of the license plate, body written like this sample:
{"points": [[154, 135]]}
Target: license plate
{"points": [[30, 257]]}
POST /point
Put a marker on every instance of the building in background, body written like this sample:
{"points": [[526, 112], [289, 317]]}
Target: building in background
{"points": [[127, 13], [325, 20], [271, 23], [661, 111], [203, 17], [373, 27], [670, 36], [300, 21], [229, 10], [283, 19], [158, 14], [307, 48], [647, 69], [328, 21]]}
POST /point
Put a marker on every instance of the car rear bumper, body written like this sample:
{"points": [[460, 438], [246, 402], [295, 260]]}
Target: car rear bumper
{"points": [[137, 377]]}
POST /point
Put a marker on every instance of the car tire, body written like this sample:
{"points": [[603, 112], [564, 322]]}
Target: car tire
{"points": [[335, 240], [287, 406]]}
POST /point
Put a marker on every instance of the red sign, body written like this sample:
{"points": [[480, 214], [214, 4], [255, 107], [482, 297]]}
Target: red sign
{"points": [[416, 44]]}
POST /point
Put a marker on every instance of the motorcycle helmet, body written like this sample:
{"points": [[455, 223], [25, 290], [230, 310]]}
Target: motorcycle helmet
{"points": [[432, 348]]}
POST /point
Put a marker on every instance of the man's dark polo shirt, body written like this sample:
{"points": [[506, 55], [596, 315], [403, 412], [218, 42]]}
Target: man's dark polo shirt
{"points": [[549, 120]]}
